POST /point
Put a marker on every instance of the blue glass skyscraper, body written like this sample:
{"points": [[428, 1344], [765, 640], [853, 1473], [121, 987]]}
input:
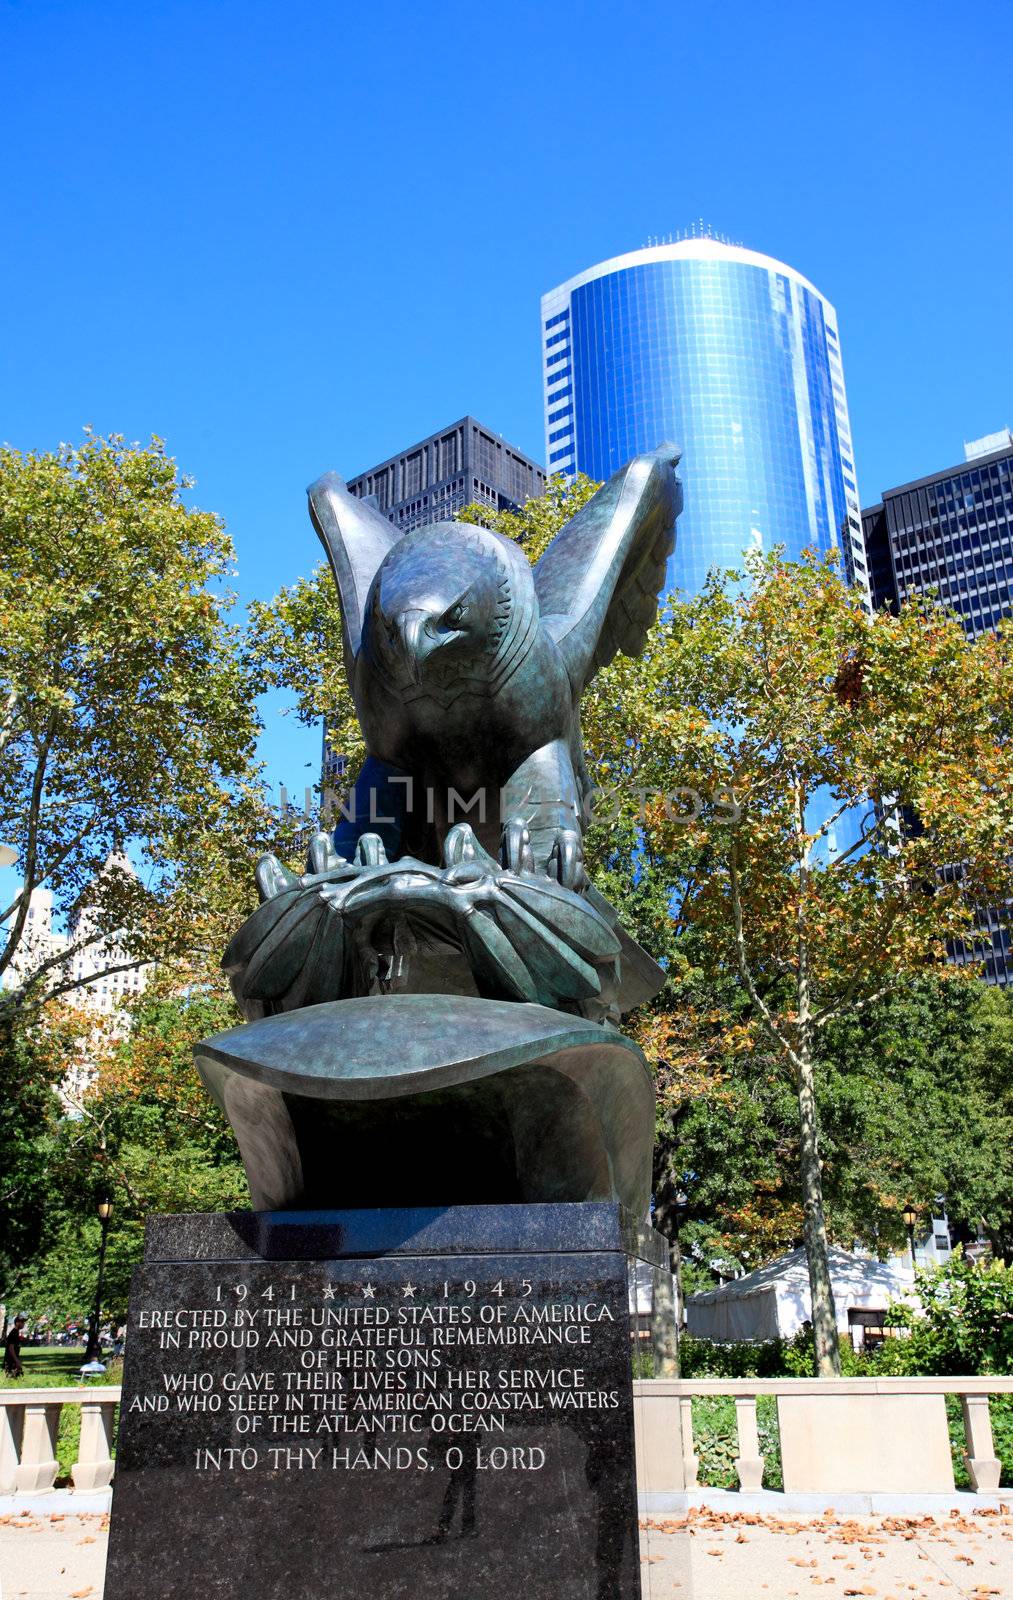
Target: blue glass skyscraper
{"points": [[736, 358]]}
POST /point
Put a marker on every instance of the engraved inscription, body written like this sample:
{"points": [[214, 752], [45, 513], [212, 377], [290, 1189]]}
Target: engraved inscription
{"points": [[314, 1369]]}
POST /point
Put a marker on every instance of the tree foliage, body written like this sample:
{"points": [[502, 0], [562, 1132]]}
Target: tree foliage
{"points": [[913, 1099], [964, 1322], [127, 708], [31, 1065], [146, 1134]]}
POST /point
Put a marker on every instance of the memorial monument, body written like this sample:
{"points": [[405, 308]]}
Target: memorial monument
{"points": [[407, 1372]]}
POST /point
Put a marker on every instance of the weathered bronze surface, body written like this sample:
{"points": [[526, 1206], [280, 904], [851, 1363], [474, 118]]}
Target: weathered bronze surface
{"points": [[467, 666]]}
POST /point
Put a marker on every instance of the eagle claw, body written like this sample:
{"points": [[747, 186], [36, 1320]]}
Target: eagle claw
{"points": [[566, 860], [369, 852], [515, 849]]}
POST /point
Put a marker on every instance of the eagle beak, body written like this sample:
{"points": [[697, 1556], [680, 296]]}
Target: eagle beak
{"points": [[416, 642]]}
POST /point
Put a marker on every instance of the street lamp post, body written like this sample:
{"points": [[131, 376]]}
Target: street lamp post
{"points": [[93, 1349], [910, 1218], [680, 1202]]}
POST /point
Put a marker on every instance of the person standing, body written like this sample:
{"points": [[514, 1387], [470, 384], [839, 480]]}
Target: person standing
{"points": [[13, 1366]]}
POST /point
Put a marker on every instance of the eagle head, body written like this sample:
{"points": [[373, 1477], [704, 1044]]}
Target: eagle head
{"points": [[452, 608]]}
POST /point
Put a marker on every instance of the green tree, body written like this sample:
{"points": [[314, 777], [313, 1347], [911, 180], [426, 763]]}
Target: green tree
{"points": [[810, 705], [127, 710], [963, 1324], [913, 1100], [144, 1133], [29, 1117]]}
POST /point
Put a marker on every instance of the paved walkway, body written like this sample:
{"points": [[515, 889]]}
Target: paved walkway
{"points": [[52, 1557], [704, 1555], [713, 1555]]}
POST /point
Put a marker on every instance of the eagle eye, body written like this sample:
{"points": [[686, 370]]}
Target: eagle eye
{"points": [[454, 616]]}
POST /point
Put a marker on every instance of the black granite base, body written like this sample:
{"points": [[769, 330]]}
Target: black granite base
{"points": [[400, 1403]]}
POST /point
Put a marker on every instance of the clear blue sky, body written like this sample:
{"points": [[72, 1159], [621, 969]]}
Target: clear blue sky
{"points": [[290, 236]]}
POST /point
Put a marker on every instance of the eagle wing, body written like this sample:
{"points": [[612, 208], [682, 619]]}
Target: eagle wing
{"points": [[356, 537], [599, 581]]}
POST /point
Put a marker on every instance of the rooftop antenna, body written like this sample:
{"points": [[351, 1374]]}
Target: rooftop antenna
{"points": [[699, 229]]}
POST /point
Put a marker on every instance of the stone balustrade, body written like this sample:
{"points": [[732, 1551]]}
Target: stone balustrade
{"points": [[865, 1435], [862, 1435], [29, 1425]]}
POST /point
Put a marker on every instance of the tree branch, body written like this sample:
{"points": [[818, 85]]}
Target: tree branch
{"points": [[742, 963], [835, 816], [80, 1105], [844, 1003], [7, 722], [831, 1013], [31, 852], [32, 994], [859, 844], [55, 863]]}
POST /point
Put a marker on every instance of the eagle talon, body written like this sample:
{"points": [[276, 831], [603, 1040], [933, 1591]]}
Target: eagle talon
{"points": [[369, 852], [462, 845], [322, 855], [272, 878], [515, 850], [566, 860]]}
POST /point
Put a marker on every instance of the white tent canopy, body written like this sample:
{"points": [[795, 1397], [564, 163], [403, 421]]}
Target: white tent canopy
{"points": [[773, 1302]]}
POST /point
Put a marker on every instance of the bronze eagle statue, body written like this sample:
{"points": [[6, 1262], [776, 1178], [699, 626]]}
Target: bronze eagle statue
{"points": [[467, 665], [464, 828]]}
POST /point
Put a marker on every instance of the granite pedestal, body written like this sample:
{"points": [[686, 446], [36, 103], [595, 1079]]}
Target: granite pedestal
{"points": [[395, 1403]]}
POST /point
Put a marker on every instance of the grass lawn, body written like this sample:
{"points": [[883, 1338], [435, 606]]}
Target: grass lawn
{"points": [[55, 1366]]}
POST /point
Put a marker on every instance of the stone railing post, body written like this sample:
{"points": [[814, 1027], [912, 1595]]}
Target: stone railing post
{"points": [[690, 1459], [38, 1466], [658, 1442], [749, 1462], [93, 1468], [12, 1420], [983, 1468]]}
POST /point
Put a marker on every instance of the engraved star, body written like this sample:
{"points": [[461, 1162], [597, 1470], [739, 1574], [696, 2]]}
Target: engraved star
{"points": [[368, 1292], [408, 1292], [328, 1291]]}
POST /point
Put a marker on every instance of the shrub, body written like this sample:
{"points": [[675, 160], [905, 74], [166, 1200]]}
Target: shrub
{"points": [[964, 1326]]}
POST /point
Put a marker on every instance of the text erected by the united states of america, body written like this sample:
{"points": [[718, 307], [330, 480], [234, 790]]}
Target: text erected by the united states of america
{"points": [[290, 1374]]}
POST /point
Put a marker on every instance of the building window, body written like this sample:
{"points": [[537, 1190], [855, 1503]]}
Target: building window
{"points": [[448, 456]]}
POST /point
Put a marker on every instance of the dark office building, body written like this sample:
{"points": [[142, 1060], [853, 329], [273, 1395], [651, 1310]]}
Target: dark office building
{"points": [[434, 480], [952, 532], [431, 482]]}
